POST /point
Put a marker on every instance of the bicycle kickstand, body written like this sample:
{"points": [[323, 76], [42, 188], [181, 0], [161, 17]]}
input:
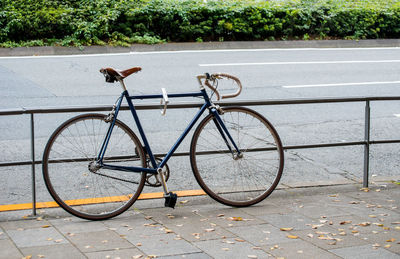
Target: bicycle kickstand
{"points": [[170, 197]]}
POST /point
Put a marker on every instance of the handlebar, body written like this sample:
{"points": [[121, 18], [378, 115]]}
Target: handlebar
{"points": [[218, 76]]}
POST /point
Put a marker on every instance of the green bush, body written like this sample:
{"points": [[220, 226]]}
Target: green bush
{"points": [[123, 22]]}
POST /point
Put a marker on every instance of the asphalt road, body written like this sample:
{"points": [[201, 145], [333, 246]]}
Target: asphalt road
{"points": [[265, 74]]}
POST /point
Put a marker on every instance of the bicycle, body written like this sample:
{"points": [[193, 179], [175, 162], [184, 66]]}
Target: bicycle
{"points": [[95, 167]]}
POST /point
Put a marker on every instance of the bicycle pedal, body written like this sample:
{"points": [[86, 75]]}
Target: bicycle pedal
{"points": [[170, 200]]}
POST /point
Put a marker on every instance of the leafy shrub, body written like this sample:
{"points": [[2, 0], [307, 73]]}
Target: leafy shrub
{"points": [[123, 22]]}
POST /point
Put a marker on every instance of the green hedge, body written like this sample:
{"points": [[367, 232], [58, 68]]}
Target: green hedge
{"points": [[122, 22]]}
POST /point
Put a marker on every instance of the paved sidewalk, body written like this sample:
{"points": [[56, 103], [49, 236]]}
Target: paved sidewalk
{"points": [[340, 221]]}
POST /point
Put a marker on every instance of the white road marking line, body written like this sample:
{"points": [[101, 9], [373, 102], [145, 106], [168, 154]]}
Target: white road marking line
{"points": [[301, 63], [198, 51], [342, 84]]}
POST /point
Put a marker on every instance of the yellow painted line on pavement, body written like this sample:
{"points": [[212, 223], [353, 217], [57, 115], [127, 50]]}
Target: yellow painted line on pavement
{"points": [[53, 204]]}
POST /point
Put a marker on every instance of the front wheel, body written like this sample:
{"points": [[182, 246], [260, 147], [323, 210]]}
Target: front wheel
{"points": [[79, 184], [230, 179]]}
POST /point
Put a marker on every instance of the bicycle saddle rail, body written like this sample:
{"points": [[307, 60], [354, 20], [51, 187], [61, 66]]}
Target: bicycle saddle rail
{"points": [[218, 76]]}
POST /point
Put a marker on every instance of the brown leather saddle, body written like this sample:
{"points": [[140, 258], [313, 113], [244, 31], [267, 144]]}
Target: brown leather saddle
{"points": [[112, 74]]}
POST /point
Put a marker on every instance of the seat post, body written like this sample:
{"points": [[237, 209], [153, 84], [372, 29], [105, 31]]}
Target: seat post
{"points": [[121, 81]]}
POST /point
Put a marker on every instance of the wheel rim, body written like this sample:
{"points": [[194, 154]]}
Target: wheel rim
{"points": [[72, 177], [232, 180]]}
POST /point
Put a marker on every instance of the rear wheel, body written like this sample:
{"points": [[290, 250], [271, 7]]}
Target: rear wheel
{"points": [[75, 180], [237, 180]]}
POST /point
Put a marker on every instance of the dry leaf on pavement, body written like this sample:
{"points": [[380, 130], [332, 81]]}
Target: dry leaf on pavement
{"points": [[286, 229]]}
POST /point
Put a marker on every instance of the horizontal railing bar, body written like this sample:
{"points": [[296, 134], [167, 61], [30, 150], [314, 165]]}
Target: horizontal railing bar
{"points": [[177, 154], [196, 105]]}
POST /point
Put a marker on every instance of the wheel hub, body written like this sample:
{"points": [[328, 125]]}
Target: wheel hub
{"points": [[94, 166]]}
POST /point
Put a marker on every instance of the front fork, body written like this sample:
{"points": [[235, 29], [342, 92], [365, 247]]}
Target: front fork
{"points": [[216, 110]]}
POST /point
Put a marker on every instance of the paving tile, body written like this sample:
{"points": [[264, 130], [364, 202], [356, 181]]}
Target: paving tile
{"points": [[162, 244], [196, 230], [224, 217], [300, 249], [223, 249], [292, 220], [266, 207], [135, 226], [261, 234], [121, 253], [62, 251], [364, 252], [75, 227], [8, 250], [36, 237], [98, 241], [25, 224], [187, 256], [387, 239], [328, 238], [2, 234]]}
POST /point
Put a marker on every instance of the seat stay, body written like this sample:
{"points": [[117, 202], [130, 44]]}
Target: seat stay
{"points": [[109, 132]]}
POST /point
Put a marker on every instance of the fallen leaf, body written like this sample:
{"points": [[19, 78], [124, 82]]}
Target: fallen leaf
{"points": [[386, 228], [332, 243], [364, 189], [372, 216], [168, 231], [354, 202], [49, 239], [322, 237], [378, 224], [292, 237], [310, 235], [27, 257], [220, 215], [394, 223], [286, 229], [398, 228], [179, 225], [228, 242], [354, 231], [148, 217], [364, 224], [252, 256], [256, 248], [139, 244], [87, 247], [376, 245], [334, 195], [40, 256], [104, 241], [183, 202], [209, 230], [391, 240], [317, 226], [300, 251], [236, 218], [345, 222], [58, 240], [137, 256], [387, 246], [225, 249], [239, 240], [39, 219], [342, 233]]}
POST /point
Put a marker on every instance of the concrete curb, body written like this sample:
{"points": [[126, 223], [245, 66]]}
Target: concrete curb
{"points": [[40, 51]]}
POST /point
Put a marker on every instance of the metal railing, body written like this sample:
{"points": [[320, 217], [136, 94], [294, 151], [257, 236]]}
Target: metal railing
{"points": [[366, 142]]}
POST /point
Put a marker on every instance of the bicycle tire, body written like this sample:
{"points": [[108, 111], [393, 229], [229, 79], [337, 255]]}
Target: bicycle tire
{"points": [[98, 194], [244, 181]]}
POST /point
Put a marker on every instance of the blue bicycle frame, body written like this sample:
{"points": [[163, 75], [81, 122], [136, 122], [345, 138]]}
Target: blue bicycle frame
{"points": [[207, 105]]}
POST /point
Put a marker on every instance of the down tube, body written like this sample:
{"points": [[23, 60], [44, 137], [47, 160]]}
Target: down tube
{"points": [[184, 134]]}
